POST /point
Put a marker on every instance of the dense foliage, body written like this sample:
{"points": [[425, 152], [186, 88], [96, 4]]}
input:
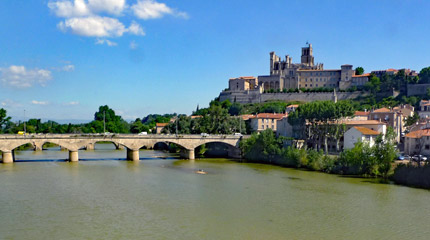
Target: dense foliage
{"points": [[265, 147], [213, 120], [105, 120], [320, 121]]}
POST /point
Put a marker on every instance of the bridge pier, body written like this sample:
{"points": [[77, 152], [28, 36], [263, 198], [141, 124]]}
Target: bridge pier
{"points": [[188, 154], [7, 157], [118, 146], [37, 147], [133, 154], [73, 156], [90, 146]]}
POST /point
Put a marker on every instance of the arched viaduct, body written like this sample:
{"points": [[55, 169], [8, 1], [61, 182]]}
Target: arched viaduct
{"points": [[132, 142]]}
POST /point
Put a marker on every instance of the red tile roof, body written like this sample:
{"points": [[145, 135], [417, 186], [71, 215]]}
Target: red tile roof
{"points": [[382, 110], [367, 131], [419, 133], [361, 113], [363, 122], [161, 124], [271, 115], [247, 116], [247, 77], [362, 75]]}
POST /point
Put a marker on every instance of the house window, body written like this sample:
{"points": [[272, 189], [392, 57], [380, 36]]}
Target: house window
{"points": [[427, 147], [316, 85]]}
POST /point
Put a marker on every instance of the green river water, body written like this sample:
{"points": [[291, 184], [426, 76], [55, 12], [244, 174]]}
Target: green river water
{"points": [[105, 197]]}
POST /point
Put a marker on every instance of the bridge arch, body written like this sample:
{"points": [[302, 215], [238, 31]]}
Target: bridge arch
{"points": [[91, 145], [221, 149], [168, 143]]}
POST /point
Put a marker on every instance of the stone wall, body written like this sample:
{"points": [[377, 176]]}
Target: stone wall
{"points": [[256, 97], [417, 89]]}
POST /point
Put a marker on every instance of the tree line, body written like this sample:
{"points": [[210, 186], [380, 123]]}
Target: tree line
{"points": [[105, 120], [363, 160]]}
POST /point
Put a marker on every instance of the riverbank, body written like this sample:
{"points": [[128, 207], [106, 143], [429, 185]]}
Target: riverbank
{"points": [[375, 162]]}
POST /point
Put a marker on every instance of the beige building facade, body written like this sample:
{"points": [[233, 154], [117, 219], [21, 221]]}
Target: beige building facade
{"points": [[284, 74], [418, 142], [263, 121]]}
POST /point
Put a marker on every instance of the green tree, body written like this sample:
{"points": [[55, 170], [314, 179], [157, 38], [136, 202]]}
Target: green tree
{"points": [[263, 146], [411, 120], [385, 152], [235, 109], [373, 85], [4, 119], [359, 71], [320, 120], [424, 75]]}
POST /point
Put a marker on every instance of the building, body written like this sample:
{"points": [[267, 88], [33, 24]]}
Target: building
{"points": [[360, 115], [392, 118], [391, 71], [359, 134], [418, 142], [242, 83], [159, 127], [405, 110], [284, 74], [263, 121], [284, 128], [291, 108], [424, 109]]}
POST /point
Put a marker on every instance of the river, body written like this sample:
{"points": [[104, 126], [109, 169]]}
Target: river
{"points": [[105, 197]]}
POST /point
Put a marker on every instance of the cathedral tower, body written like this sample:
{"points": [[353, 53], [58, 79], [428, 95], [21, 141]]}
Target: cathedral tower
{"points": [[307, 55]]}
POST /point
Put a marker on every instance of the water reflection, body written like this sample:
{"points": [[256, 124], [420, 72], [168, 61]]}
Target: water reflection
{"points": [[161, 197]]}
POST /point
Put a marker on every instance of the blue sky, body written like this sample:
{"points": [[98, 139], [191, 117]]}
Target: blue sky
{"points": [[61, 59]]}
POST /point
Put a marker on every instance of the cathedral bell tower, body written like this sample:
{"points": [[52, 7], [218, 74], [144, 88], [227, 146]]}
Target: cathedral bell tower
{"points": [[307, 55]]}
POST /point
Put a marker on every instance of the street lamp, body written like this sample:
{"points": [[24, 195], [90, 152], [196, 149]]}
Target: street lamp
{"points": [[25, 130], [104, 122]]}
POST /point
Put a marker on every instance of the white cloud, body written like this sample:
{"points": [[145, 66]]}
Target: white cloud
{"points": [[110, 6], [133, 45], [68, 9], [107, 42], [136, 29], [93, 18], [68, 68], [20, 77], [10, 103], [35, 102], [81, 8], [149, 9], [96, 26], [93, 26], [73, 103]]}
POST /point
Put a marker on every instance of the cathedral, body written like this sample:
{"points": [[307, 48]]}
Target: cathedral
{"points": [[284, 74]]}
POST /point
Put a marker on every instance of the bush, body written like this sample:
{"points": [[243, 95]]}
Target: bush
{"points": [[412, 175]]}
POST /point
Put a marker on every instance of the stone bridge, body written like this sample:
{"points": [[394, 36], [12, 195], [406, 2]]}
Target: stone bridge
{"points": [[132, 142]]}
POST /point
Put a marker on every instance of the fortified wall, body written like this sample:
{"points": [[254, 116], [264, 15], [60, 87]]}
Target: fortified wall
{"points": [[257, 97], [417, 89]]}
